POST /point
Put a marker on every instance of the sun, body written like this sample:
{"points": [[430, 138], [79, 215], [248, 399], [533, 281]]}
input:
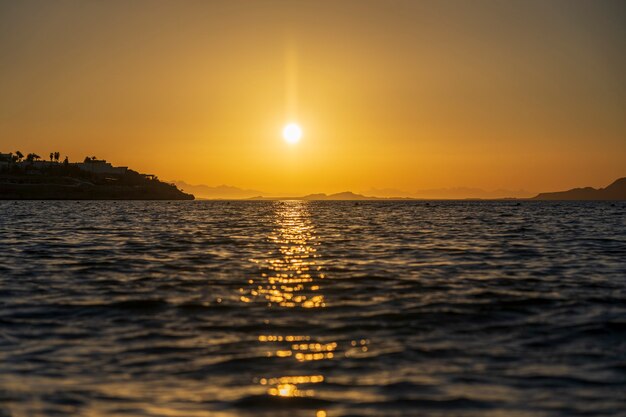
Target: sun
{"points": [[292, 133]]}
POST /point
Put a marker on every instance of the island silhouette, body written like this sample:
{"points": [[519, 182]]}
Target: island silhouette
{"points": [[30, 178]]}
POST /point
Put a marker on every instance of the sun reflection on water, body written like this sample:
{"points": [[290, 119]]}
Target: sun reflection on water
{"points": [[291, 278]]}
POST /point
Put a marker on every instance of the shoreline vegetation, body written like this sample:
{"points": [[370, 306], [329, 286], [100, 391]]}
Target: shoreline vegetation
{"points": [[30, 178]]}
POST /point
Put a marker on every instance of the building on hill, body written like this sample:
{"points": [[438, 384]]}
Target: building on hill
{"points": [[39, 164], [36, 166], [100, 166]]}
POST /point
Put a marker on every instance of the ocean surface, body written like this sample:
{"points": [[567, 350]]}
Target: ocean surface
{"points": [[294, 308]]}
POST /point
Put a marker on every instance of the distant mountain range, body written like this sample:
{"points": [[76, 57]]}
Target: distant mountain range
{"points": [[349, 195], [228, 192], [346, 195], [221, 192], [615, 191]]}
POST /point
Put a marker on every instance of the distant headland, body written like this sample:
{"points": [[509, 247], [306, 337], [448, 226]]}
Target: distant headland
{"points": [[615, 191], [31, 178]]}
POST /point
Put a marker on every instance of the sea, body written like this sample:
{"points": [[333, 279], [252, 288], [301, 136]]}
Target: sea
{"points": [[312, 308]]}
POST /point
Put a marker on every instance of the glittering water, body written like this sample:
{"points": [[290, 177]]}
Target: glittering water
{"points": [[312, 308]]}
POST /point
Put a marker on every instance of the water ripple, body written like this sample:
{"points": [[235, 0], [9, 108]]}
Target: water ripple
{"points": [[295, 308]]}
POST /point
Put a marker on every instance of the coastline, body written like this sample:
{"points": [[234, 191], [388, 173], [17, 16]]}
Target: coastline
{"points": [[65, 188]]}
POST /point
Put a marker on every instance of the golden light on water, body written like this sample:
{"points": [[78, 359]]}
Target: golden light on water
{"points": [[278, 338], [287, 386], [291, 278]]}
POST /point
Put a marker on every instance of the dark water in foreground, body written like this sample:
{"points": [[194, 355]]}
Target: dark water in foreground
{"points": [[312, 308]]}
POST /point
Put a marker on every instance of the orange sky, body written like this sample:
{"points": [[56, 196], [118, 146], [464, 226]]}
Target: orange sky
{"points": [[407, 95]]}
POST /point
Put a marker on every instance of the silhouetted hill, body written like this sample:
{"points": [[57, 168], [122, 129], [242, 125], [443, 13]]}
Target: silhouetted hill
{"points": [[91, 180], [346, 195], [615, 191]]}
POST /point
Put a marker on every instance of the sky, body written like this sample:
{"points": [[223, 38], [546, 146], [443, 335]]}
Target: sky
{"points": [[401, 95]]}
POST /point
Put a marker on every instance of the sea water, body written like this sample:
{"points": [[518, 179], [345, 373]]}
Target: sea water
{"points": [[297, 308]]}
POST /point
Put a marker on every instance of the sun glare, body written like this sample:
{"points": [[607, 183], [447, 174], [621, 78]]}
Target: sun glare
{"points": [[292, 133]]}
